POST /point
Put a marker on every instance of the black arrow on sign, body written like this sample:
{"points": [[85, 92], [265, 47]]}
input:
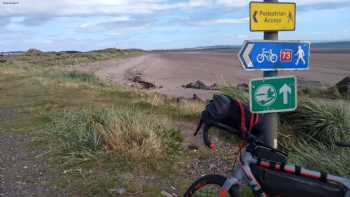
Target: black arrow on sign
{"points": [[254, 16], [290, 17]]}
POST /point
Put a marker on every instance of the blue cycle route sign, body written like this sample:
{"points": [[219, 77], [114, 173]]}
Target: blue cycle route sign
{"points": [[275, 55]]}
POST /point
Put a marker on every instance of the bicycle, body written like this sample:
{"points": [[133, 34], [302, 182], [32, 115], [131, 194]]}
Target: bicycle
{"points": [[266, 172], [268, 55]]}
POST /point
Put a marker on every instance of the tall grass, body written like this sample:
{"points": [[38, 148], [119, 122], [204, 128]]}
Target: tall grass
{"points": [[326, 123], [320, 157], [178, 109], [76, 76], [236, 93], [326, 93], [73, 129], [128, 132], [317, 127], [187, 107]]}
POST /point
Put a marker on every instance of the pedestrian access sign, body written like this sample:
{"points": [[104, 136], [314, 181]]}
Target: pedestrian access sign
{"points": [[274, 94], [275, 55], [267, 16]]}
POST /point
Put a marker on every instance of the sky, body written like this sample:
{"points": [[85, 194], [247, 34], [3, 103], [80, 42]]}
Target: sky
{"points": [[56, 25]]}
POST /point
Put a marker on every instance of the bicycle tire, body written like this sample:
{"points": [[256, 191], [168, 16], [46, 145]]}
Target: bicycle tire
{"points": [[273, 58], [202, 182], [260, 58]]}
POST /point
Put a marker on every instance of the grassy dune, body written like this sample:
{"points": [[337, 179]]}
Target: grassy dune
{"points": [[98, 136]]}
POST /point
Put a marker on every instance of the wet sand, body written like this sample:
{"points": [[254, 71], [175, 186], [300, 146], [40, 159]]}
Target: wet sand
{"points": [[171, 70]]}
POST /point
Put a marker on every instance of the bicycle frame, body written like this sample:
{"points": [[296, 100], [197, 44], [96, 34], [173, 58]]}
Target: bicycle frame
{"points": [[243, 175], [266, 53]]}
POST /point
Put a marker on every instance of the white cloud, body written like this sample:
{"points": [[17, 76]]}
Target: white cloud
{"points": [[313, 2], [117, 7], [115, 25], [105, 20], [241, 3], [94, 7], [198, 3], [232, 3]]}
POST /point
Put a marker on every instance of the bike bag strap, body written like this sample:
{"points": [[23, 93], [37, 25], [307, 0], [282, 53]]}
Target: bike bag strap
{"points": [[282, 166], [323, 177], [254, 120], [297, 170]]}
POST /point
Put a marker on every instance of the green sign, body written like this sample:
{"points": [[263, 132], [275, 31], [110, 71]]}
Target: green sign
{"points": [[274, 94]]}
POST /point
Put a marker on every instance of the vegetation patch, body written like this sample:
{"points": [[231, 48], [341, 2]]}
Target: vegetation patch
{"points": [[78, 76], [326, 123], [98, 137], [131, 133], [236, 93], [319, 156], [48, 59], [325, 93]]}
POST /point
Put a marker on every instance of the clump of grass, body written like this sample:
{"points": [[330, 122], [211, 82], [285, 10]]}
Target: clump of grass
{"points": [[185, 106], [236, 93], [190, 107], [175, 108], [77, 76], [326, 123], [330, 93], [73, 129], [310, 133], [320, 157], [33, 52], [80, 76], [131, 133]]}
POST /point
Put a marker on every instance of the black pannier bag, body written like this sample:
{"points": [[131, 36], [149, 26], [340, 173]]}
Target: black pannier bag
{"points": [[233, 115]]}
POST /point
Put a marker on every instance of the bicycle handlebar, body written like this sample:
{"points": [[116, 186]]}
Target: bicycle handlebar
{"points": [[250, 138], [206, 138]]}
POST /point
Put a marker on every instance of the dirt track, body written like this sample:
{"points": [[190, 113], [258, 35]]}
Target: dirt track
{"points": [[172, 70], [24, 172]]}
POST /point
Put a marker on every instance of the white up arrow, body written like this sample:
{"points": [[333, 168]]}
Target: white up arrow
{"points": [[285, 90]]}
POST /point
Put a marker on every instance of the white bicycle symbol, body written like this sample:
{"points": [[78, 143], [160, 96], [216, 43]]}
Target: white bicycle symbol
{"points": [[267, 55]]}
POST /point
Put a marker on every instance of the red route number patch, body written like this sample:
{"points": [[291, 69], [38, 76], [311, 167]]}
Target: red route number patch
{"points": [[286, 55]]}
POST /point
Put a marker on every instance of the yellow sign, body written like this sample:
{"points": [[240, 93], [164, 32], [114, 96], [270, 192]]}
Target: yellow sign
{"points": [[272, 16]]}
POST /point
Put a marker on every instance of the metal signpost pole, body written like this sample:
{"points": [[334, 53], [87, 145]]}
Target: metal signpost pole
{"points": [[271, 119], [271, 55]]}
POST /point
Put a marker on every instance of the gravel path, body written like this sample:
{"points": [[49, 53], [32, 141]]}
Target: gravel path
{"points": [[23, 172]]}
